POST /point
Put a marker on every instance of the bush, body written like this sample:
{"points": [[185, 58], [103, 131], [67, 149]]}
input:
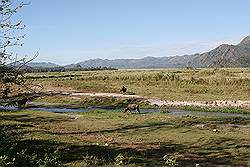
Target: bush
{"points": [[170, 161], [93, 160], [13, 153]]}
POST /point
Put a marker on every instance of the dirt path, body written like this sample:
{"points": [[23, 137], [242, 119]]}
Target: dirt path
{"points": [[105, 95], [216, 103], [159, 102]]}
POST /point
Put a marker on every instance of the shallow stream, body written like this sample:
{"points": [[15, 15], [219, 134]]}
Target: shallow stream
{"points": [[40, 107]]}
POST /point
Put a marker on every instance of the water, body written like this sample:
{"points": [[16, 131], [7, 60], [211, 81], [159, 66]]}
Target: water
{"points": [[143, 111], [51, 109]]}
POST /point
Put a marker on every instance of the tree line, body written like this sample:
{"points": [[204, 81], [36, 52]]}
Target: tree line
{"points": [[63, 69]]}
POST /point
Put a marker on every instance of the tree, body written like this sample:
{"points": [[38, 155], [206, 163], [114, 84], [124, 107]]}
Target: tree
{"points": [[12, 80]]}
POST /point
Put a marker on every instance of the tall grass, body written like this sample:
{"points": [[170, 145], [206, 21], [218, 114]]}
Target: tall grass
{"points": [[179, 84]]}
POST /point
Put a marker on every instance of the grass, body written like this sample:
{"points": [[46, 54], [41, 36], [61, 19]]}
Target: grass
{"points": [[85, 102], [213, 109], [106, 138], [170, 84], [61, 101]]}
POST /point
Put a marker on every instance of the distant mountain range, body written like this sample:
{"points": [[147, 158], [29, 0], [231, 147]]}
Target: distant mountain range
{"points": [[223, 56]]}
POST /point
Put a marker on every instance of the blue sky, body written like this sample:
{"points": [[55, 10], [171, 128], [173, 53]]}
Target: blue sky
{"points": [[69, 31]]}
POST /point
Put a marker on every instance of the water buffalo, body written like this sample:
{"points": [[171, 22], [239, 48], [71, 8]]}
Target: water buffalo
{"points": [[123, 89], [22, 102], [132, 107]]}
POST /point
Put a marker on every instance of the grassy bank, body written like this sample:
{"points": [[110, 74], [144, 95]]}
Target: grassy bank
{"points": [[60, 101], [215, 109], [87, 101], [105, 138], [154, 139], [169, 84]]}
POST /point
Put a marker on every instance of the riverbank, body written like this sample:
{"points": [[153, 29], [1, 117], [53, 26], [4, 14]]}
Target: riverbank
{"points": [[118, 101], [103, 137], [167, 84]]}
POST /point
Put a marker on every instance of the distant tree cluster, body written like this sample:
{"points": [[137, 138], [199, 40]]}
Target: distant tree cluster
{"points": [[63, 69]]}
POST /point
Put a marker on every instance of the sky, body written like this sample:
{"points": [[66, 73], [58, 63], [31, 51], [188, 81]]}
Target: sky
{"points": [[70, 31]]}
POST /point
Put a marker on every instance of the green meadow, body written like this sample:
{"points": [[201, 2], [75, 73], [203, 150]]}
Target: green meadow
{"points": [[109, 138], [168, 84], [113, 138]]}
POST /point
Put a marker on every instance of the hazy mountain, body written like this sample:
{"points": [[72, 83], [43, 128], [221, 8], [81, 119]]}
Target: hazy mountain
{"points": [[147, 62], [42, 65], [223, 56]]}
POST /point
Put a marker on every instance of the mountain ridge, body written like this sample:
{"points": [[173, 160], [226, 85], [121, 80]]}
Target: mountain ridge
{"points": [[225, 55]]}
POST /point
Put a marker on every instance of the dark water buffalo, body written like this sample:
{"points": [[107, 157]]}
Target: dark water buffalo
{"points": [[123, 89], [22, 102], [132, 107]]}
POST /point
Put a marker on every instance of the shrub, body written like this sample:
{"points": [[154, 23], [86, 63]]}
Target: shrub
{"points": [[13, 153], [170, 161], [93, 160]]}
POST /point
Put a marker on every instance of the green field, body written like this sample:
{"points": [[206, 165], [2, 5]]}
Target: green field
{"points": [[168, 84], [109, 138], [113, 138]]}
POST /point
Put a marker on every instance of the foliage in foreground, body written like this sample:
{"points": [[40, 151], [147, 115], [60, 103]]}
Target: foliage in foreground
{"points": [[12, 80], [101, 138], [14, 153]]}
